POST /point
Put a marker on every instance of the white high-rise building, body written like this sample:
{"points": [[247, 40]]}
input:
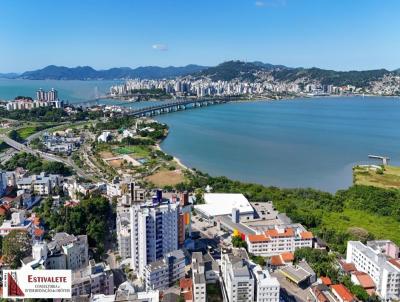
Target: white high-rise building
{"points": [[237, 276], [3, 182], [124, 234], [154, 232], [379, 259], [267, 288]]}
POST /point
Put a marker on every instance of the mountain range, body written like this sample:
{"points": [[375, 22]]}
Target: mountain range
{"points": [[88, 73], [230, 70]]}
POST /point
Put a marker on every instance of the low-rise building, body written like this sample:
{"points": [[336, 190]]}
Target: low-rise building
{"points": [[221, 204], [161, 274], [17, 222], [93, 279], [342, 294], [104, 137], [301, 274], [41, 184], [280, 239], [67, 252]]}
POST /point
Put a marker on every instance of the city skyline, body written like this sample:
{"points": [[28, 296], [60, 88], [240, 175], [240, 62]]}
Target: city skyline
{"points": [[298, 33]]}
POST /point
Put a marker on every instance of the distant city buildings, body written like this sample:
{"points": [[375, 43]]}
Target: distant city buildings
{"points": [[43, 99], [264, 85]]}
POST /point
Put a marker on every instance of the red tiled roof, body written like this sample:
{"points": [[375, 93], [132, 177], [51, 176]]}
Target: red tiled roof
{"points": [[287, 256], [282, 259], [347, 267], [326, 280], [257, 238], [319, 294], [306, 235], [185, 283], [342, 292], [395, 262], [276, 261], [38, 232], [365, 280], [274, 233]]}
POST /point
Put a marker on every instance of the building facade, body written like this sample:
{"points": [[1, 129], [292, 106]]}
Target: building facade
{"points": [[278, 240], [154, 232], [161, 274], [379, 265]]}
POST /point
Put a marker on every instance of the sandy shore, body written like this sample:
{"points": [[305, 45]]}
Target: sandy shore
{"points": [[176, 159]]}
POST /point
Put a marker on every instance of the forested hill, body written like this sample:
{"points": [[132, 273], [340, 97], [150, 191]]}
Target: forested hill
{"points": [[88, 73], [253, 71]]}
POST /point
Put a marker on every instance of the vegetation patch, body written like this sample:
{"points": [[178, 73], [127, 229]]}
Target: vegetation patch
{"points": [[136, 151], [386, 177], [358, 213]]}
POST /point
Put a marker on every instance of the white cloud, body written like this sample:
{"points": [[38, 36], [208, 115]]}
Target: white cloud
{"points": [[270, 3], [161, 47]]}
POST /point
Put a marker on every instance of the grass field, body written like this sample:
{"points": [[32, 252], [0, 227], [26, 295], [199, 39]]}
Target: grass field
{"points": [[136, 151], [369, 177], [382, 227], [25, 132]]}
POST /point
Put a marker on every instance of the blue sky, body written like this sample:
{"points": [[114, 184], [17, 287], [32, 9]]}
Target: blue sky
{"points": [[335, 34]]}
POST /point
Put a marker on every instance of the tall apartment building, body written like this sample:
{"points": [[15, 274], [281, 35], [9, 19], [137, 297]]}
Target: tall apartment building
{"points": [[282, 238], [237, 276], [49, 96], [154, 232], [198, 277], [380, 260], [123, 233], [3, 182]]}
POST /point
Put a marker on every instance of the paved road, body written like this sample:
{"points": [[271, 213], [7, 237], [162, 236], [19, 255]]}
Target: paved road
{"points": [[21, 147]]}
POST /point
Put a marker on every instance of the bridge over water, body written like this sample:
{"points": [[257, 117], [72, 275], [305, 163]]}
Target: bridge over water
{"points": [[176, 106], [166, 106]]}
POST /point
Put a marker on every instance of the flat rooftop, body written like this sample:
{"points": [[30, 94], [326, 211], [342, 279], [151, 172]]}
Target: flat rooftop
{"points": [[217, 204]]}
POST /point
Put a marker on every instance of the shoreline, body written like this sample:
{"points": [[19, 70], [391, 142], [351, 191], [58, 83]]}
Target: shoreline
{"points": [[176, 159]]}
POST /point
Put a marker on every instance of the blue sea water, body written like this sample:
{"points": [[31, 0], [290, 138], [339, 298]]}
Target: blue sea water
{"points": [[291, 143]]}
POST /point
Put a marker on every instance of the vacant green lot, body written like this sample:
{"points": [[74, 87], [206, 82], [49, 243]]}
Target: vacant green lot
{"points": [[25, 132], [382, 227], [136, 151], [390, 178]]}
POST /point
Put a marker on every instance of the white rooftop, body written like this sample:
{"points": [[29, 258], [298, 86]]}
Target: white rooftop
{"points": [[217, 204]]}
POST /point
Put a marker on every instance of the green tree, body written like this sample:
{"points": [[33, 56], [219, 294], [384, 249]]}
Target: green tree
{"points": [[16, 246], [237, 241]]}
